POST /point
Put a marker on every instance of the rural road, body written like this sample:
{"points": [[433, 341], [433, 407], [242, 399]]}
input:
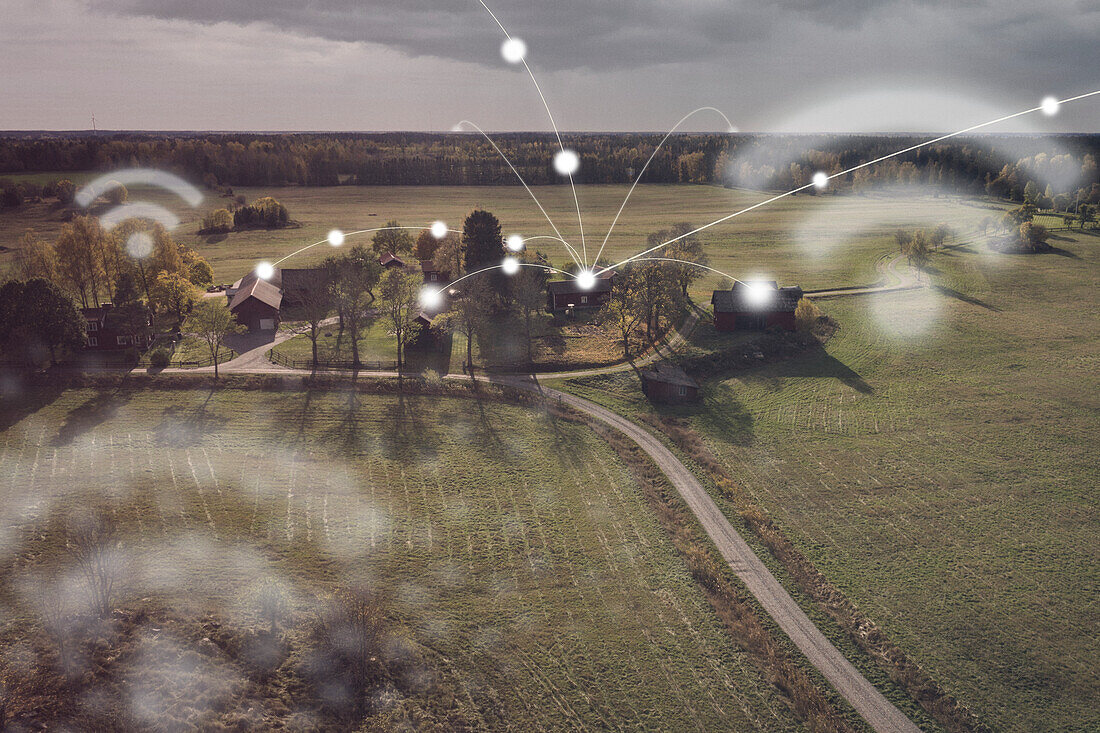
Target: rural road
{"points": [[899, 279], [879, 713]]}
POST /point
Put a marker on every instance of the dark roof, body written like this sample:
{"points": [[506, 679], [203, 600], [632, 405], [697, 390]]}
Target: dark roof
{"points": [[258, 288], [430, 266], [390, 259], [735, 300], [561, 287], [667, 373]]}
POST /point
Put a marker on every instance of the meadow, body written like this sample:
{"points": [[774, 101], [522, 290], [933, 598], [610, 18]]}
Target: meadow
{"points": [[815, 241], [936, 461], [515, 550]]}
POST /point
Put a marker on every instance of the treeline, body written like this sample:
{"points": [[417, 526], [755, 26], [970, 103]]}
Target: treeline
{"points": [[998, 165]]}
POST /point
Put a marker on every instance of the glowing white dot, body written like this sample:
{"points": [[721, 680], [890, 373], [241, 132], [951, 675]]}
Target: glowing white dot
{"points": [[265, 270], [438, 230], [586, 279], [510, 265], [567, 162], [759, 294], [733, 130], [431, 298], [1050, 106], [139, 245], [513, 50], [821, 180], [514, 242], [336, 237]]}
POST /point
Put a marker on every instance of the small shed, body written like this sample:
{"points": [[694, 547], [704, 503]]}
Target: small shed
{"points": [[433, 273], [389, 260], [755, 306], [668, 383]]}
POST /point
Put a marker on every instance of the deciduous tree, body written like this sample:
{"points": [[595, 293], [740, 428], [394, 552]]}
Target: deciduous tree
{"points": [[212, 322], [399, 292]]}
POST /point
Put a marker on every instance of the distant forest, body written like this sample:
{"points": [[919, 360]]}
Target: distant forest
{"points": [[1060, 168]]}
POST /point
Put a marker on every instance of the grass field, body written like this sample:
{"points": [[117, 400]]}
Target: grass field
{"points": [[514, 547], [937, 462], [816, 241]]}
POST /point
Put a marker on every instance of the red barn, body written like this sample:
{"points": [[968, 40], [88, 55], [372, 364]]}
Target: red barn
{"points": [[256, 303], [755, 306], [668, 383]]}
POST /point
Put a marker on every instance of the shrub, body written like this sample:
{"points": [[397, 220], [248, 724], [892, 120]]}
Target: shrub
{"points": [[346, 659], [806, 314], [159, 357]]}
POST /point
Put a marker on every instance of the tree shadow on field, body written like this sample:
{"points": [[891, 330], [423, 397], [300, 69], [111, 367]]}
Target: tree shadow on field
{"points": [[96, 411], [952, 293], [405, 429], [722, 413], [183, 426], [1064, 253], [18, 400]]}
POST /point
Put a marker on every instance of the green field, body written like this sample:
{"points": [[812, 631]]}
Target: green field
{"points": [[515, 548], [937, 462], [816, 241]]}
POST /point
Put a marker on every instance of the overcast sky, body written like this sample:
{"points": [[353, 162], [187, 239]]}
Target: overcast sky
{"points": [[780, 65]]}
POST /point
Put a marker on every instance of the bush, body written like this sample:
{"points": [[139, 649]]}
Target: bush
{"points": [[806, 314], [159, 357]]}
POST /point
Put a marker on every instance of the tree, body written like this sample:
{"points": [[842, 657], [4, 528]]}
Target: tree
{"points": [[1031, 193], [938, 236], [354, 277], [66, 191], [426, 245], [658, 295], [689, 249], [315, 304], [80, 258], [1033, 236], [116, 193], [212, 322], [482, 241], [392, 239], [468, 315], [36, 258], [37, 318], [399, 292], [218, 221], [174, 293], [903, 238], [625, 309], [450, 255], [529, 292], [916, 252], [200, 273]]}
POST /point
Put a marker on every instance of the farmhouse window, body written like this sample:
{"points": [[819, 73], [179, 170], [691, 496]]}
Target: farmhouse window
{"points": [[93, 341], [122, 340], [683, 390], [584, 299], [93, 325], [435, 277]]}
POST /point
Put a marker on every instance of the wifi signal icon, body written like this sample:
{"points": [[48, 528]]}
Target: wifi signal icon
{"points": [[139, 245]]}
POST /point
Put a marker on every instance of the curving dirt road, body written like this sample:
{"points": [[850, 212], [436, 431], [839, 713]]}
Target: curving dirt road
{"points": [[879, 713]]}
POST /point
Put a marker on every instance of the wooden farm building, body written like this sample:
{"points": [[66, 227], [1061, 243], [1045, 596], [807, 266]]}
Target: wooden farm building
{"points": [[433, 273], [668, 383], [565, 294], [256, 302], [107, 328], [755, 306]]}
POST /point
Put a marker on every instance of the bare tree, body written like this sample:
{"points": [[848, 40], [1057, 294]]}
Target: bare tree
{"points": [[468, 315], [315, 302], [94, 544]]}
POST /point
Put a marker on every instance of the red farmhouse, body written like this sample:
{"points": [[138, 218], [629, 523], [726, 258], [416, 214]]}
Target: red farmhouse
{"points": [[564, 294], [755, 306], [668, 383], [108, 328]]}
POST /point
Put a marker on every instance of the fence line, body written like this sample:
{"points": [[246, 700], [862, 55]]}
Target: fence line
{"points": [[342, 364]]}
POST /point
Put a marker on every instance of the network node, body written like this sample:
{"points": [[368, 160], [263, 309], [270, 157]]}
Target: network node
{"points": [[439, 229], [759, 294], [821, 181], [265, 270], [1050, 106], [139, 245], [514, 50], [567, 162], [586, 279], [510, 265], [431, 298], [514, 242], [733, 130], [336, 237]]}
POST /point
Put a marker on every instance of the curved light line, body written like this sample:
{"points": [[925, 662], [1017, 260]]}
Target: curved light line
{"points": [[845, 172], [572, 252], [138, 210], [553, 124], [130, 176], [497, 267], [646, 166], [348, 234]]}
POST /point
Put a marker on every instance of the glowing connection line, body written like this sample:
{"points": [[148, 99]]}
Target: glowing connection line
{"points": [[845, 172], [331, 239]]}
